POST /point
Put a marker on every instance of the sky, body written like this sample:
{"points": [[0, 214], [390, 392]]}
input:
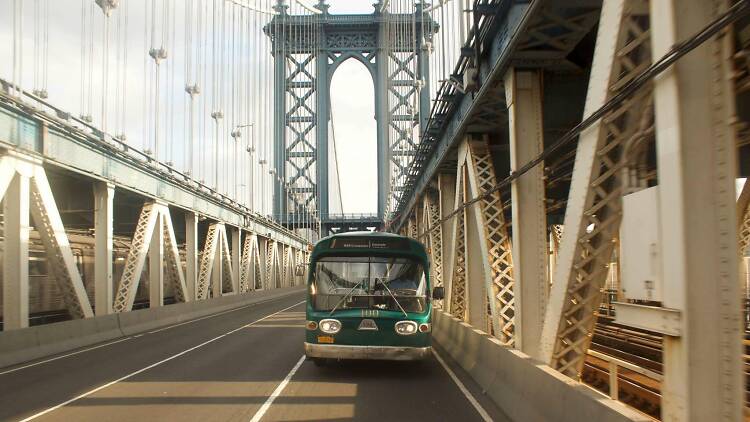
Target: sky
{"points": [[351, 96]]}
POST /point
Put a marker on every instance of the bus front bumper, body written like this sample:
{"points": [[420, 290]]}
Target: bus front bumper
{"points": [[334, 351]]}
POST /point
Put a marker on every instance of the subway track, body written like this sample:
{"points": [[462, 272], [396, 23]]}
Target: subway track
{"points": [[641, 348]]}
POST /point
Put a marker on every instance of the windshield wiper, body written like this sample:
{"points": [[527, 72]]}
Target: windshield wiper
{"points": [[344, 298], [394, 298]]}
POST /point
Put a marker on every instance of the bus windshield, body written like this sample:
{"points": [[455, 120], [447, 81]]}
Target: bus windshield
{"points": [[393, 284]]}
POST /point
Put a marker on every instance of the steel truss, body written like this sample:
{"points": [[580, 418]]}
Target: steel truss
{"points": [[458, 299], [250, 265], [24, 188], [594, 208], [154, 222], [433, 240], [495, 244], [216, 266]]}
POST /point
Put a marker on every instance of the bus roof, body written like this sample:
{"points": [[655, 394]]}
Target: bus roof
{"points": [[365, 241]]}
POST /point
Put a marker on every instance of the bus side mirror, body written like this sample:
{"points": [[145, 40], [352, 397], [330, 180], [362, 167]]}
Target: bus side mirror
{"points": [[438, 293], [300, 270]]}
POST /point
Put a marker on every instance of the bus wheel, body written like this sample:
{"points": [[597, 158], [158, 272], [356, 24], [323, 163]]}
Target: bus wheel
{"points": [[320, 361]]}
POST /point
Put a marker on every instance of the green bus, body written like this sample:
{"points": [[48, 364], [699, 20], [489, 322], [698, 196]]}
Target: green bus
{"points": [[369, 297]]}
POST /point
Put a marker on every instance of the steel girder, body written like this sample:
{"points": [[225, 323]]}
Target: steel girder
{"points": [[594, 208], [458, 299]]}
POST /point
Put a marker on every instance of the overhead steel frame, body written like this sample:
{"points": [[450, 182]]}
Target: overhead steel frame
{"points": [[304, 74]]}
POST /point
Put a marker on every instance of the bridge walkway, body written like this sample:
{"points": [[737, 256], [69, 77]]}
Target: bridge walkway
{"points": [[231, 366]]}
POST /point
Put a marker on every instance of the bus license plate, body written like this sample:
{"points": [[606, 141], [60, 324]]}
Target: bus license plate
{"points": [[325, 339]]}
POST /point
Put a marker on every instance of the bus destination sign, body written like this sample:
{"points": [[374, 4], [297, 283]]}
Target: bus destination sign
{"points": [[363, 243]]}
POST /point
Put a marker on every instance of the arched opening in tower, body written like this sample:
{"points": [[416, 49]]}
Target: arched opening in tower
{"points": [[352, 141]]}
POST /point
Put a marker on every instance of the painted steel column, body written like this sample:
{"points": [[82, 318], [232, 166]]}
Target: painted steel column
{"points": [[104, 194], [217, 270], [322, 116], [262, 254], [447, 189], [16, 254], [696, 156], [156, 264], [476, 289], [523, 96], [236, 253], [381, 120], [191, 254]]}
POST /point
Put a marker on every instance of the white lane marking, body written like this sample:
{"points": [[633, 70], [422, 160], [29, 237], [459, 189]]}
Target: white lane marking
{"points": [[65, 355], [277, 392], [134, 337], [483, 413], [132, 374]]}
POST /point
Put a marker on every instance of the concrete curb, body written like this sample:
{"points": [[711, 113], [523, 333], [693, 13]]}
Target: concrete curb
{"points": [[18, 346], [525, 389]]}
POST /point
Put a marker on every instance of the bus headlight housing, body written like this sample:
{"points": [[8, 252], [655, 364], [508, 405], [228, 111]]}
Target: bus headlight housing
{"points": [[330, 326], [406, 328]]}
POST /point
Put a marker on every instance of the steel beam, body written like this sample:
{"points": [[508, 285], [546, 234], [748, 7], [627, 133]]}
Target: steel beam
{"points": [[156, 264], [236, 254], [696, 156], [104, 194], [524, 96], [16, 252], [447, 198], [458, 300], [191, 254]]}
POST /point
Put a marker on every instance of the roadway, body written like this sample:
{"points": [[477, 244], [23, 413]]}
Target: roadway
{"points": [[241, 365]]}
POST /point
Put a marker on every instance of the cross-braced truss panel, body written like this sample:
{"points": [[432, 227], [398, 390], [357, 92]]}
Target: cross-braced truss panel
{"points": [[602, 210], [403, 111], [300, 126]]}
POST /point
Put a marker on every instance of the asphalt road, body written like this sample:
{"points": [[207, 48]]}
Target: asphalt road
{"points": [[243, 365]]}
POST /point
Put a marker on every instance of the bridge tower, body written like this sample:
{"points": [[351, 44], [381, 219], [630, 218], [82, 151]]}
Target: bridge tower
{"points": [[307, 51]]}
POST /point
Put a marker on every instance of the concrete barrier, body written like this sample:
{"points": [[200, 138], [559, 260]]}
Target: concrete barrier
{"points": [[525, 389], [31, 343]]}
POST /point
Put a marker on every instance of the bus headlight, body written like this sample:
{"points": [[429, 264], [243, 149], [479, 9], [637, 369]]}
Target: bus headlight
{"points": [[406, 328], [330, 326]]}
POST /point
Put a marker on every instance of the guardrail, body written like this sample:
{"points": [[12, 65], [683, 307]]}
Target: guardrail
{"points": [[17, 346]]}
